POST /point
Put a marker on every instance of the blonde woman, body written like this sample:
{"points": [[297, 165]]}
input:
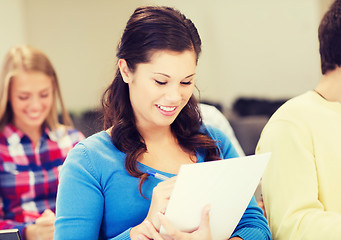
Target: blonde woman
{"points": [[33, 144]]}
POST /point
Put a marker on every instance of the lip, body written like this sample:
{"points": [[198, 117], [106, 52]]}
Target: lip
{"points": [[166, 110]]}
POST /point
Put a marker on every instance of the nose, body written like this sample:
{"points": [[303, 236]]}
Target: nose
{"points": [[174, 94], [35, 104]]}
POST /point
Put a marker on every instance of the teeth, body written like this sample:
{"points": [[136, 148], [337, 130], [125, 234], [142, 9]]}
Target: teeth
{"points": [[33, 115], [167, 109]]}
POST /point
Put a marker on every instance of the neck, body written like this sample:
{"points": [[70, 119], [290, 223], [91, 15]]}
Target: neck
{"points": [[330, 86], [156, 134]]}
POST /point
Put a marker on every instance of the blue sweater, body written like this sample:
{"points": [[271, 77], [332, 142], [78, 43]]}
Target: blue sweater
{"points": [[98, 199]]}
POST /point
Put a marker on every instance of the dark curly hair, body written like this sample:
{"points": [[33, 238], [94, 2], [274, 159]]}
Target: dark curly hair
{"points": [[150, 29], [330, 38]]}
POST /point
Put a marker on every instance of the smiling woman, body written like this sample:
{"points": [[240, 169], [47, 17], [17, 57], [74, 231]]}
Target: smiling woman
{"points": [[31, 98], [152, 123], [164, 85], [33, 145]]}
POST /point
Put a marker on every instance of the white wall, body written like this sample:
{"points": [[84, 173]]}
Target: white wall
{"points": [[263, 48]]}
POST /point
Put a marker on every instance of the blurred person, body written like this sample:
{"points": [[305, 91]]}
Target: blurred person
{"points": [[212, 116], [33, 144]]}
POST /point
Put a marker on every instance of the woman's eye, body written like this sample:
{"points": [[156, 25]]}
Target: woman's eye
{"points": [[160, 82], [45, 95], [187, 83], [23, 98]]}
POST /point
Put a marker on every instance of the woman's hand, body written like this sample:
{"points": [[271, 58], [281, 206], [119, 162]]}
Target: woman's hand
{"points": [[159, 202], [160, 199], [43, 229], [202, 233]]}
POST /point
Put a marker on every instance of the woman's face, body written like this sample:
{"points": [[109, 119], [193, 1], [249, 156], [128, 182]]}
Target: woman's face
{"points": [[31, 98], [161, 88]]}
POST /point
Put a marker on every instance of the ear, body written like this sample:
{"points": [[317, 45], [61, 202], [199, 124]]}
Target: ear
{"points": [[124, 70]]}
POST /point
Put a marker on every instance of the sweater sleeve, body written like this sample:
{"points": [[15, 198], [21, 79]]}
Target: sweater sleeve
{"points": [[290, 185], [80, 201], [79, 184], [253, 225], [123, 236]]}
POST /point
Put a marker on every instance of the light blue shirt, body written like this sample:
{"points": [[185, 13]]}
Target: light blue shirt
{"points": [[98, 199]]}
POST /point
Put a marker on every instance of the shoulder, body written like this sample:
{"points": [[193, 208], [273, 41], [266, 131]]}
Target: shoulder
{"points": [[208, 109], [98, 142], [211, 115], [213, 132], [297, 107], [296, 113], [65, 133], [292, 120], [95, 157], [96, 151], [222, 141]]}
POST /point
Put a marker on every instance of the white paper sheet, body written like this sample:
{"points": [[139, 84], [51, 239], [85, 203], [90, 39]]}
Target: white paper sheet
{"points": [[227, 185]]}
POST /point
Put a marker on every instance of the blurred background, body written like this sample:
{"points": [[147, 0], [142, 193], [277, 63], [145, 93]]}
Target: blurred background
{"points": [[252, 49]]}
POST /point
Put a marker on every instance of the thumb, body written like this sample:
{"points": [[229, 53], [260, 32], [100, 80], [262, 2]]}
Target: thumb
{"points": [[46, 217], [205, 217], [48, 213]]}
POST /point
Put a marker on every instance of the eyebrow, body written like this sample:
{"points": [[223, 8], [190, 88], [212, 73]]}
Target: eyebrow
{"points": [[166, 75]]}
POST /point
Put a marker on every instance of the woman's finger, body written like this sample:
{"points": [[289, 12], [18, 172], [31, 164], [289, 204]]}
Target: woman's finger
{"points": [[152, 231], [159, 202], [205, 217], [171, 231], [165, 187], [142, 237]]}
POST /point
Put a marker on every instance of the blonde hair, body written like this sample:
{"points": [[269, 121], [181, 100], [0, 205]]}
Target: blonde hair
{"points": [[25, 59]]}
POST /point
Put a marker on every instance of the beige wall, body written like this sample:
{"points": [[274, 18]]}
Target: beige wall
{"points": [[81, 37], [12, 25], [324, 6], [263, 48]]}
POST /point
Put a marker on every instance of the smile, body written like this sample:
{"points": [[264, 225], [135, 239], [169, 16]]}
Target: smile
{"points": [[167, 109], [34, 116]]}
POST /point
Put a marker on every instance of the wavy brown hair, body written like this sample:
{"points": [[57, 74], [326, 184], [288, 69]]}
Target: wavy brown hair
{"points": [[150, 29]]}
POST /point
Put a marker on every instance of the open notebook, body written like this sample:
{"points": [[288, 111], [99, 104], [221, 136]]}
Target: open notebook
{"points": [[10, 234], [227, 185]]}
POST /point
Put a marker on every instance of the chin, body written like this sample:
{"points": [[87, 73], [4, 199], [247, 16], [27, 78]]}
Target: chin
{"points": [[35, 123]]}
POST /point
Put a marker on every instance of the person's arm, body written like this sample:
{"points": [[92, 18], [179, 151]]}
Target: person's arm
{"points": [[80, 200], [290, 186], [75, 136], [9, 224], [43, 228], [253, 225]]}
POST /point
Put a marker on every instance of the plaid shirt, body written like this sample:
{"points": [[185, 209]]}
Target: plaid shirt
{"points": [[29, 176]]}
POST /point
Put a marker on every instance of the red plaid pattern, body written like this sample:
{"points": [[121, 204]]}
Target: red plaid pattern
{"points": [[28, 175]]}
